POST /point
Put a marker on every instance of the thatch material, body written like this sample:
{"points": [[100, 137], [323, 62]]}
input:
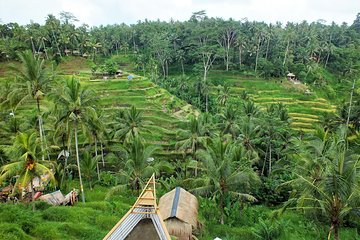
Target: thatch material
{"points": [[143, 220], [290, 75], [179, 209], [181, 230], [186, 209]]}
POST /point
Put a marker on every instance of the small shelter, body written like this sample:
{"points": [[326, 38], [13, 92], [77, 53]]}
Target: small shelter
{"points": [[179, 209], [290, 76], [118, 73], [143, 220], [57, 198]]}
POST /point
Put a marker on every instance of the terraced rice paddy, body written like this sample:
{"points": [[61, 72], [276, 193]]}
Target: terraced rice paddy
{"points": [[305, 110], [164, 113]]}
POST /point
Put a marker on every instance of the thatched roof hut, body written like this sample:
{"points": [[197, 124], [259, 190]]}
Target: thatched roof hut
{"points": [[143, 220], [179, 209], [290, 76]]}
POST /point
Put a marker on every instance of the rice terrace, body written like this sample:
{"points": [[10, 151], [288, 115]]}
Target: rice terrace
{"points": [[198, 127]]}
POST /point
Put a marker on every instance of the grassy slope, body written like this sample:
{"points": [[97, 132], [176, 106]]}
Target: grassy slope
{"points": [[304, 109], [164, 113], [96, 218]]}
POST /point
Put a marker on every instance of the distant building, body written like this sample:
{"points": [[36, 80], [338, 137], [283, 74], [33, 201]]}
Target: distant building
{"points": [[290, 76]]}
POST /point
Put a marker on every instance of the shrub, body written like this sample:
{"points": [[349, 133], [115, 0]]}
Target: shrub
{"points": [[48, 230], [266, 230], [82, 231], [13, 232]]}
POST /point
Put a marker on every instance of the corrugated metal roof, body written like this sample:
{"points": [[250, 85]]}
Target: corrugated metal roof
{"points": [[144, 207]]}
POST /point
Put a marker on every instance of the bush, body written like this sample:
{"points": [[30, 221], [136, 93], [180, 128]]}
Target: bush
{"points": [[230, 233], [101, 206], [82, 231], [48, 230], [270, 192], [13, 232], [108, 179], [106, 222], [266, 230]]}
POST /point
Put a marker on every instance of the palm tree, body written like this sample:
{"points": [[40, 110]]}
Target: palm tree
{"points": [[228, 122], [192, 139], [333, 186], [250, 109], [139, 165], [249, 133], [224, 95], [96, 133], [25, 163], [76, 105], [225, 174], [89, 165], [33, 84], [130, 124]]}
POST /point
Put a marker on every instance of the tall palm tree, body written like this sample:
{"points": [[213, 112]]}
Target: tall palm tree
{"points": [[96, 133], [25, 163], [139, 165], [332, 187], [130, 124], [192, 139], [249, 133], [224, 96], [76, 105], [33, 84], [250, 109], [225, 175], [89, 165], [229, 122]]}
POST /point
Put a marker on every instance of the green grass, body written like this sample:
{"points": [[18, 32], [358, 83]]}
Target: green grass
{"points": [[274, 91]]}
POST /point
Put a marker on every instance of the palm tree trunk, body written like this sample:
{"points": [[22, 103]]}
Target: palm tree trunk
{"points": [[32, 45], [32, 195], [40, 129], [269, 160], [336, 232], [240, 56], [102, 154], [97, 162], [47, 57], [263, 168], [286, 51], [257, 54], [334, 227], [207, 102], [350, 103], [222, 209], [227, 59], [267, 48], [194, 155], [182, 67], [78, 162]]}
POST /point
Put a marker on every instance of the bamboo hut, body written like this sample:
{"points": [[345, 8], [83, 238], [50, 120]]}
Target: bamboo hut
{"points": [[143, 220], [290, 76], [57, 198], [179, 209]]}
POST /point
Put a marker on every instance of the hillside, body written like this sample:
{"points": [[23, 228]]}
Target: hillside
{"points": [[305, 109], [165, 115]]}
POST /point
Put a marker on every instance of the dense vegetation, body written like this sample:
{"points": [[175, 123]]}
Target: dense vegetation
{"points": [[248, 147]]}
